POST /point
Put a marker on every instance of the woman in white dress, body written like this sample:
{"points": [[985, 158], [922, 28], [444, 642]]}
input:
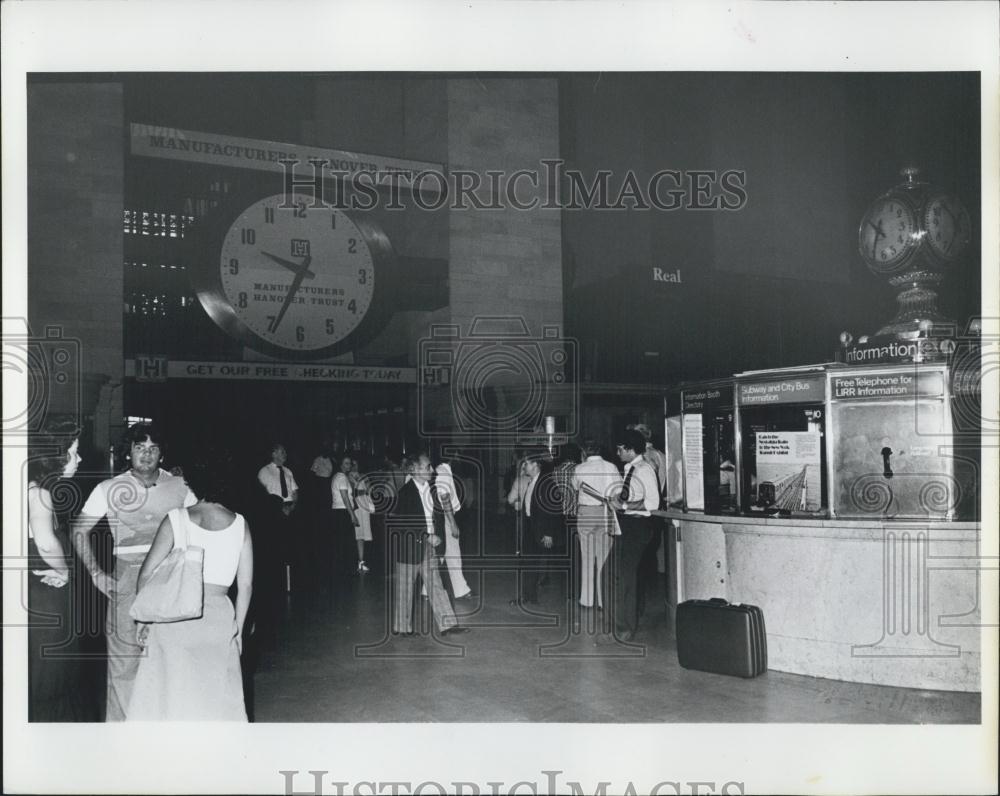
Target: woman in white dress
{"points": [[363, 509], [346, 524], [191, 669]]}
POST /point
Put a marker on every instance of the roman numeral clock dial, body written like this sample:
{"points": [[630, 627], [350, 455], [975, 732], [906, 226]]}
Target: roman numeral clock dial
{"points": [[296, 281]]}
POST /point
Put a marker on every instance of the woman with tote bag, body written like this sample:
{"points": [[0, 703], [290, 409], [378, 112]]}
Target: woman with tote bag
{"points": [[191, 667]]}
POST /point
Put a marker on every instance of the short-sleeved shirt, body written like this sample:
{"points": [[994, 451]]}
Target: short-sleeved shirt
{"points": [[658, 461], [601, 476], [135, 511], [642, 486], [341, 481]]}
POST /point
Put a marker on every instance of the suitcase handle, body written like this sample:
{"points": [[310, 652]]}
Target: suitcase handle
{"points": [[718, 601]]}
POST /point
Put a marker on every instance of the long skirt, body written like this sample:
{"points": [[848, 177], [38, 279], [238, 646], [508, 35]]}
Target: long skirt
{"points": [[54, 664], [345, 551], [191, 669]]}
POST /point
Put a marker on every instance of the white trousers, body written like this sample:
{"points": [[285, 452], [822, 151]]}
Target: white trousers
{"points": [[453, 560], [595, 544]]}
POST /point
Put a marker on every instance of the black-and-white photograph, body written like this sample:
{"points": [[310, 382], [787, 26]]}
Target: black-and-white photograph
{"points": [[401, 414]]}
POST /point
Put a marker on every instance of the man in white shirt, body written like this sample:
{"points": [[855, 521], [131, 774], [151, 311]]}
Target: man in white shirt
{"points": [[639, 497], [272, 545], [134, 503], [278, 481], [654, 456], [654, 557]]}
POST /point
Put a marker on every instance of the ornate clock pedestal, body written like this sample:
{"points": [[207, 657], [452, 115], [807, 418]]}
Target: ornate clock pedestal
{"points": [[917, 300]]}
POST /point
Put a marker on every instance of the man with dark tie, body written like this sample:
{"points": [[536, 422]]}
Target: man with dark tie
{"points": [[639, 496], [544, 531], [416, 529], [273, 545]]}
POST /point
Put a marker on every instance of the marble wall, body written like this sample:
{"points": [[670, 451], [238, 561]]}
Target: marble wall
{"points": [[889, 604]]}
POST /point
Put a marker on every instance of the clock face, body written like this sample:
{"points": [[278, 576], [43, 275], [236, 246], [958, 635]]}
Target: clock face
{"points": [[296, 280], [887, 234], [948, 227]]}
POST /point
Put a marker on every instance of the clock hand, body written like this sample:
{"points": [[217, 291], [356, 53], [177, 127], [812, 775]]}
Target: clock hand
{"points": [[878, 234], [294, 267], [954, 227], [292, 290]]}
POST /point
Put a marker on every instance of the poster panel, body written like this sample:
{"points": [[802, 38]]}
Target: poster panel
{"points": [[694, 467], [788, 470]]}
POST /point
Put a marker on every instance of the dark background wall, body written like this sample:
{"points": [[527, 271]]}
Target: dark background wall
{"points": [[776, 282]]}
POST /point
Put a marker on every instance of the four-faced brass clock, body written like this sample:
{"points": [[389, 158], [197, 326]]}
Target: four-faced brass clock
{"points": [[948, 226], [888, 234], [295, 281]]}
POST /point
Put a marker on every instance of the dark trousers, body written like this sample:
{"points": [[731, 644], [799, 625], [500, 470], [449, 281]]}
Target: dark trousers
{"points": [[530, 575], [271, 545], [345, 549], [542, 561], [626, 555], [648, 575]]}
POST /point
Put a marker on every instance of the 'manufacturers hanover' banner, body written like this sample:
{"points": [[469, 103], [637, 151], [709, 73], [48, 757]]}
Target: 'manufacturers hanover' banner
{"points": [[251, 153]]}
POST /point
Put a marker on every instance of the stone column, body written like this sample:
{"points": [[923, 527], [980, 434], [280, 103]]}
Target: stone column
{"points": [[505, 262], [75, 274]]}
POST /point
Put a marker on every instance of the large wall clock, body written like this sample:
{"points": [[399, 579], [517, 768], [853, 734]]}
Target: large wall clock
{"points": [[291, 280]]}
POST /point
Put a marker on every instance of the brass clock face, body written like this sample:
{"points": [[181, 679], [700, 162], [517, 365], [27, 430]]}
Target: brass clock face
{"points": [[887, 235], [947, 225], [295, 281]]}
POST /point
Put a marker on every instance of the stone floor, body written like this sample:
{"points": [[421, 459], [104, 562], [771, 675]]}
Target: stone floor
{"points": [[333, 661]]}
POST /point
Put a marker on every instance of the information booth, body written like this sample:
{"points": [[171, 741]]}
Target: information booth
{"points": [[852, 522]]}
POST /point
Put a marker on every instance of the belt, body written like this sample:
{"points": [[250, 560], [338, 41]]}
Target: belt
{"points": [[139, 548]]}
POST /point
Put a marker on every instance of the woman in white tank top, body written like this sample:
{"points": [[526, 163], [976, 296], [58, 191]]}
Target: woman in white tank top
{"points": [[191, 670]]}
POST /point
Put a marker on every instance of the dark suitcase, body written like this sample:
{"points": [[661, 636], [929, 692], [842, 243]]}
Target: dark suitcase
{"points": [[714, 636]]}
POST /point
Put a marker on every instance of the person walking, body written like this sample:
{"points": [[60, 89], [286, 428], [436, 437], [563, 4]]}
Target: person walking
{"points": [[416, 529], [363, 509]]}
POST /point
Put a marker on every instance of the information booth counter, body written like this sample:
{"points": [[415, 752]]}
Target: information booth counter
{"points": [[846, 525]]}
